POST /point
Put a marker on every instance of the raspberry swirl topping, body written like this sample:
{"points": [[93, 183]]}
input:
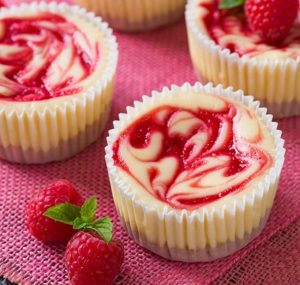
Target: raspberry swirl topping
{"points": [[43, 56], [230, 29], [190, 157]]}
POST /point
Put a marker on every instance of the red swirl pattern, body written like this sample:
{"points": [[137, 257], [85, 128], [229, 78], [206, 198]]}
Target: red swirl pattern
{"points": [[188, 159], [43, 57], [230, 29]]}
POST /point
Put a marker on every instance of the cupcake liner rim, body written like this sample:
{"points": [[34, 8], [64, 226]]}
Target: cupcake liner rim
{"points": [[191, 21], [70, 100], [200, 213]]}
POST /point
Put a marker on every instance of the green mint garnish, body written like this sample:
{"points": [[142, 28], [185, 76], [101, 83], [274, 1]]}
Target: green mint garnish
{"points": [[229, 4], [65, 213], [82, 218], [89, 209], [103, 227]]}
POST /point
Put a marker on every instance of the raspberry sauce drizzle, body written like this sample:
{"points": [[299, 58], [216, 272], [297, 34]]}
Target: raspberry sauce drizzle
{"points": [[43, 57], [230, 29], [194, 150]]}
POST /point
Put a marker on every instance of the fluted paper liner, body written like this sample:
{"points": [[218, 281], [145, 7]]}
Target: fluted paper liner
{"points": [[211, 231], [37, 132], [271, 81], [136, 15]]}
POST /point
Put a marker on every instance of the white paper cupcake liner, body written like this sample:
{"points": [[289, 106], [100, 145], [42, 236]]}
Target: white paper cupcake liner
{"points": [[203, 255], [35, 132], [136, 15], [273, 82], [209, 232]]}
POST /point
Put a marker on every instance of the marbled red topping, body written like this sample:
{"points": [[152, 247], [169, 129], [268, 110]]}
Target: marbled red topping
{"points": [[43, 57], [208, 144], [233, 23]]}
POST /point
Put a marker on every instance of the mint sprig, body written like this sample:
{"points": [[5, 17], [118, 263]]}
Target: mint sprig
{"points": [[65, 213], [103, 227], [229, 4], [89, 209], [82, 218]]}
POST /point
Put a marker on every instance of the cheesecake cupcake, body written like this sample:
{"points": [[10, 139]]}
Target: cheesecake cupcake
{"points": [[225, 48], [57, 69], [194, 171], [136, 15]]}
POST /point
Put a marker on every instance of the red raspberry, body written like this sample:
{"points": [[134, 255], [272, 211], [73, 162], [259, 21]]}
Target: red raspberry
{"points": [[46, 229], [272, 19], [90, 260]]}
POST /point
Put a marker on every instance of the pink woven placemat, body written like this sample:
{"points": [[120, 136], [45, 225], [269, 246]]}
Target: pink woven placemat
{"points": [[147, 61], [277, 261]]}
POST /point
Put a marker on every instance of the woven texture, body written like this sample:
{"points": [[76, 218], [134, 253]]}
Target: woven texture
{"points": [[275, 262], [147, 61]]}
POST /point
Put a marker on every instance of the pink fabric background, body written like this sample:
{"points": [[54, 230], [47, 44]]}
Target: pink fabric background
{"points": [[147, 61]]}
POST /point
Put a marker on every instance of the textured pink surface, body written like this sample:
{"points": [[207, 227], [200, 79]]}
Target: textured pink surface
{"points": [[277, 262], [147, 61]]}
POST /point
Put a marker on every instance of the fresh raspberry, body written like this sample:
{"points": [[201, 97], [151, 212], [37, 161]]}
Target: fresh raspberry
{"points": [[92, 257], [271, 19], [44, 228], [90, 260]]}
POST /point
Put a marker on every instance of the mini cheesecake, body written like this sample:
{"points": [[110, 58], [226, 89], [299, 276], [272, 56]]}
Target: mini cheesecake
{"points": [[136, 15], [194, 171], [57, 67], [225, 50]]}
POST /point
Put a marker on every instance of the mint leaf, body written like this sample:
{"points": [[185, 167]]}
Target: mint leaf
{"points": [[104, 228], [79, 224], [104, 222], [228, 4], [65, 213], [82, 218], [89, 209]]}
